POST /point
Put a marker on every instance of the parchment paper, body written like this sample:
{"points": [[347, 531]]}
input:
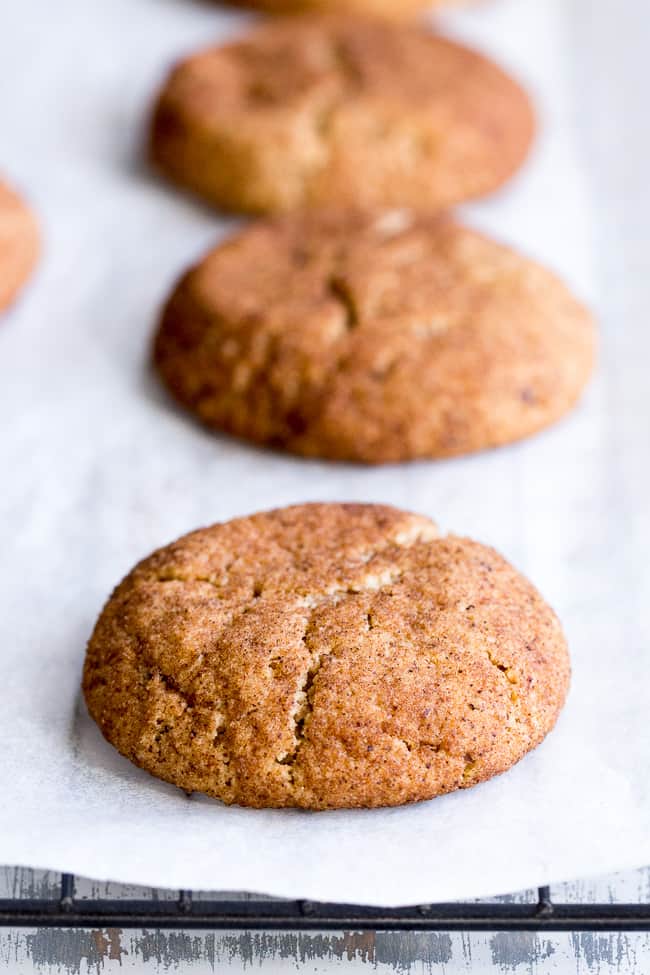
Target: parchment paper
{"points": [[97, 469]]}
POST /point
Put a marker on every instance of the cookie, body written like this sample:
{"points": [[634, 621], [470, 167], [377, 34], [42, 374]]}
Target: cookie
{"points": [[373, 338], [18, 244], [325, 110], [325, 656], [391, 9]]}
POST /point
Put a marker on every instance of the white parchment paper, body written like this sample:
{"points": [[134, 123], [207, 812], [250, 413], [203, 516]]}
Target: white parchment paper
{"points": [[97, 469]]}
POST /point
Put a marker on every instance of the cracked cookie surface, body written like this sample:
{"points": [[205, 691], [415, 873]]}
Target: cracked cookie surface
{"points": [[320, 111], [373, 337], [18, 244], [325, 656]]}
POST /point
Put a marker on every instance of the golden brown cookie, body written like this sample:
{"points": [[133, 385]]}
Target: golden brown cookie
{"points": [[373, 338], [317, 110], [390, 9], [18, 244], [325, 655]]}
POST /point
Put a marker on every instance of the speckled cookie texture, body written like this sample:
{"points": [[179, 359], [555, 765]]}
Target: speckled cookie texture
{"points": [[323, 656], [373, 338], [18, 244], [325, 110]]}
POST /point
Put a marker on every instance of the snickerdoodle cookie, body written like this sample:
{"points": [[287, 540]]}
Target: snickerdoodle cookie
{"points": [[373, 338], [325, 655], [319, 110], [391, 9], [18, 244]]}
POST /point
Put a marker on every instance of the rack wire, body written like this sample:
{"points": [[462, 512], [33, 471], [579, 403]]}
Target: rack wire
{"points": [[189, 912]]}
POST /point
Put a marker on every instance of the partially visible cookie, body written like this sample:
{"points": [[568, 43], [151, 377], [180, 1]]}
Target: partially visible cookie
{"points": [[390, 9], [325, 110], [373, 337], [18, 244], [325, 656]]}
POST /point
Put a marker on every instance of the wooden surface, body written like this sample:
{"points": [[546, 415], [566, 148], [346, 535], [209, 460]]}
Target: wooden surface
{"points": [[85, 952]]}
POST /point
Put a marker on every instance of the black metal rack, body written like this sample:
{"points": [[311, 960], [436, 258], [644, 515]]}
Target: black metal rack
{"points": [[186, 912]]}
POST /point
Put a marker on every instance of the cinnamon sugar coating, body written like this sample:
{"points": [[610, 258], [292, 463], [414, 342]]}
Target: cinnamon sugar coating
{"points": [[325, 656]]}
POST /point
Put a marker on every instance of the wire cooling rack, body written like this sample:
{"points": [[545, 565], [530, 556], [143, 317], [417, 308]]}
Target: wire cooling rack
{"points": [[187, 911]]}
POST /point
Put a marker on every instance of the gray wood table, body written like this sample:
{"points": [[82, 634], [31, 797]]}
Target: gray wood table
{"points": [[99, 950]]}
